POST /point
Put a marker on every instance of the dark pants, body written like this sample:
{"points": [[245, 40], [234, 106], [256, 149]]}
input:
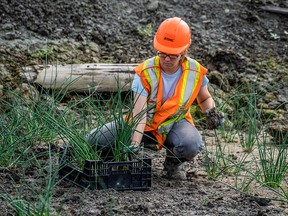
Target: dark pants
{"points": [[183, 139]]}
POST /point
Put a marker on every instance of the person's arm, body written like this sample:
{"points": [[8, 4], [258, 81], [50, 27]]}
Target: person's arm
{"points": [[139, 113], [205, 99]]}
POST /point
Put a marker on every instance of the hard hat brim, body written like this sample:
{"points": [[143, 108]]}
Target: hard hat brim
{"points": [[169, 50]]}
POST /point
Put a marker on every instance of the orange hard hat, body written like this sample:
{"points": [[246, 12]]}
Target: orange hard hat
{"points": [[173, 36]]}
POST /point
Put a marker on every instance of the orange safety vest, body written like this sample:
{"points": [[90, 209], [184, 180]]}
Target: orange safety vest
{"points": [[161, 117]]}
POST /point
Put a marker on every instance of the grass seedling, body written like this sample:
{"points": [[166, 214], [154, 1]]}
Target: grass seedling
{"points": [[33, 197], [124, 124], [215, 162], [245, 117], [250, 118], [243, 173], [20, 129], [243, 182], [71, 137], [273, 163]]}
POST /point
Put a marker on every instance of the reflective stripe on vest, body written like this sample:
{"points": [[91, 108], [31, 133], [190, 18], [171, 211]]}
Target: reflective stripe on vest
{"points": [[190, 80], [152, 74]]}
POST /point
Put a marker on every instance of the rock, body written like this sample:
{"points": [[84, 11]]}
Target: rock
{"points": [[8, 26], [270, 97], [5, 75], [274, 104], [28, 93], [279, 132], [269, 113], [219, 79], [1, 90], [153, 5], [94, 47], [10, 36]]}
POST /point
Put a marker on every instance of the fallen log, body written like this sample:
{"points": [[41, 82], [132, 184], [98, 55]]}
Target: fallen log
{"points": [[274, 9], [82, 77]]}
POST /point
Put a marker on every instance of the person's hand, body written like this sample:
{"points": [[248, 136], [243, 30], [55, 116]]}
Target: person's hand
{"points": [[134, 147], [214, 119]]}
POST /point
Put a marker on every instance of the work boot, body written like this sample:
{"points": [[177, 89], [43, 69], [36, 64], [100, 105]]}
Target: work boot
{"points": [[174, 169]]}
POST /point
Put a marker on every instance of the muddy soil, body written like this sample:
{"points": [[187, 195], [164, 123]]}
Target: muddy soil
{"points": [[228, 36], [196, 196]]}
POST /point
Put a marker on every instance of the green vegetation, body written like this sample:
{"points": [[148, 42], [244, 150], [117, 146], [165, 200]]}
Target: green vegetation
{"points": [[28, 126], [146, 31], [43, 53], [271, 63], [263, 161]]}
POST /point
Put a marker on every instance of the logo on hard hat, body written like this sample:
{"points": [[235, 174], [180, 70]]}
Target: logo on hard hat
{"points": [[169, 39]]}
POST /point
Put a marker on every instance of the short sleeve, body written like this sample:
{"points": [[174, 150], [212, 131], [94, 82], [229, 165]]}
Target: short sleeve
{"points": [[137, 86], [205, 81]]}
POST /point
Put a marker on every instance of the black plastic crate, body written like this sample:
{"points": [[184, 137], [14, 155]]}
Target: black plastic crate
{"points": [[128, 175]]}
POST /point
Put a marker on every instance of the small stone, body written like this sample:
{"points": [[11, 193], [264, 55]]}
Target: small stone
{"points": [[1, 90]]}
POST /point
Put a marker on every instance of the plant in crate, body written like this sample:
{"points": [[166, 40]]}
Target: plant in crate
{"points": [[117, 166]]}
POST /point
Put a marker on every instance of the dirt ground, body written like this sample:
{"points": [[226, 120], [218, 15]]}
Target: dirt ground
{"points": [[228, 36], [196, 196]]}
